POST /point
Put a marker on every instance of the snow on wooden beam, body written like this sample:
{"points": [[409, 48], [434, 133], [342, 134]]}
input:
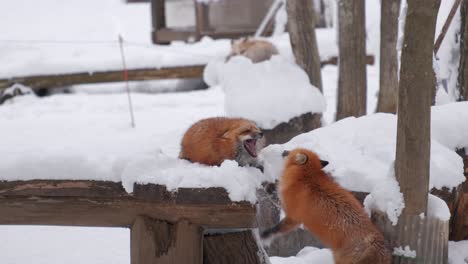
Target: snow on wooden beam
{"points": [[94, 203], [59, 80]]}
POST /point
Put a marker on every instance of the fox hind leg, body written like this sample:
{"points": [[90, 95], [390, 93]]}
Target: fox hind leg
{"points": [[286, 225]]}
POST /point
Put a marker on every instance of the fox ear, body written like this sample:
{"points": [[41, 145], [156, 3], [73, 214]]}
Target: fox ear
{"points": [[324, 163], [301, 158]]}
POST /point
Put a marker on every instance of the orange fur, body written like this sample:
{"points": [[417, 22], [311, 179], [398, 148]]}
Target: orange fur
{"points": [[334, 215], [213, 140], [255, 49]]}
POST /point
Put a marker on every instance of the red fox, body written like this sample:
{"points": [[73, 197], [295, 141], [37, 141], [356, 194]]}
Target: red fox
{"points": [[334, 215], [255, 49], [213, 140]]}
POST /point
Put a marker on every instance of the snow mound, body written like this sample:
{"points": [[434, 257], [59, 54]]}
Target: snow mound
{"points": [[282, 92], [457, 252], [386, 196], [449, 124], [306, 255], [240, 182], [437, 208]]}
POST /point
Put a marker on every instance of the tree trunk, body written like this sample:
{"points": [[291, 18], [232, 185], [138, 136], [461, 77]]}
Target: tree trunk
{"points": [[388, 94], [352, 59], [463, 68], [417, 80], [301, 27]]}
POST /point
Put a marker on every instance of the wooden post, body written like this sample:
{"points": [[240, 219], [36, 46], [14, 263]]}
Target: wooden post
{"points": [[233, 248], [428, 237], [463, 66], [301, 27], [388, 93], [160, 242], [352, 85], [158, 18]]}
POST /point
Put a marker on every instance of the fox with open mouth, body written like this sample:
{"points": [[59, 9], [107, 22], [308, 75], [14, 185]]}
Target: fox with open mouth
{"points": [[214, 140]]}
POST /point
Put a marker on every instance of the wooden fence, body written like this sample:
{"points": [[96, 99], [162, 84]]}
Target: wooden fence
{"points": [[165, 227]]}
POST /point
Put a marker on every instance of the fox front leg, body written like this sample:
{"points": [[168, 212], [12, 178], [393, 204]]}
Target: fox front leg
{"points": [[286, 225]]}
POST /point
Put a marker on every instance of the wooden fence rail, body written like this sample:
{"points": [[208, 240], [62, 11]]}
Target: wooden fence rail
{"points": [[60, 80], [165, 227]]}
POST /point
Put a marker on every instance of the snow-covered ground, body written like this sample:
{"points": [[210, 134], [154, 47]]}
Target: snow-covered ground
{"points": [[90, 134]]}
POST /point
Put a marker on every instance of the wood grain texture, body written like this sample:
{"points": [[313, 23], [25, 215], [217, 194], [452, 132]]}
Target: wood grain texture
{"points": [[427, 236], [352, 86], [154, 241], [463, 65], [285, 131], [417, 83], [233, 248], [388, 92], [88, 203], [60, 80], [301, 27]]}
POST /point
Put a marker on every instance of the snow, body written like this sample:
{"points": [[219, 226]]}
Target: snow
{"points": [[272, 99], [437, 208], [449, 124], [386, 197], [361, 151], [17, 88], [84, 136], [71, 245], [458, 253], [91, 44], [241, 183], [449, 52], [305, 256], [405, 252]]}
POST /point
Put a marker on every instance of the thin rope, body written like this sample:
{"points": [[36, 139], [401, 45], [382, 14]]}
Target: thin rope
{"points": [[125, 76]]}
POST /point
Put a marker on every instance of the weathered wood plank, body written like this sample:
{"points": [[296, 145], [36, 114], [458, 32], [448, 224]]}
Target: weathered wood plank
{"points": [[233, 248], [283, 132], [88, 203], [112, 212], [154, 241], [158, 193], [58, 80], [427, 236], [68, 188]]}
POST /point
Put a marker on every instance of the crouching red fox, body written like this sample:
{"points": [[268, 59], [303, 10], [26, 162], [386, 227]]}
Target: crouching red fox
{"points": [[311, 197], [214, 140]]}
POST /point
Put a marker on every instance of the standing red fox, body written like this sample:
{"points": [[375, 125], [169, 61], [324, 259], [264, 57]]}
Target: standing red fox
{"points": [[334, 215], [213, 140]]}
